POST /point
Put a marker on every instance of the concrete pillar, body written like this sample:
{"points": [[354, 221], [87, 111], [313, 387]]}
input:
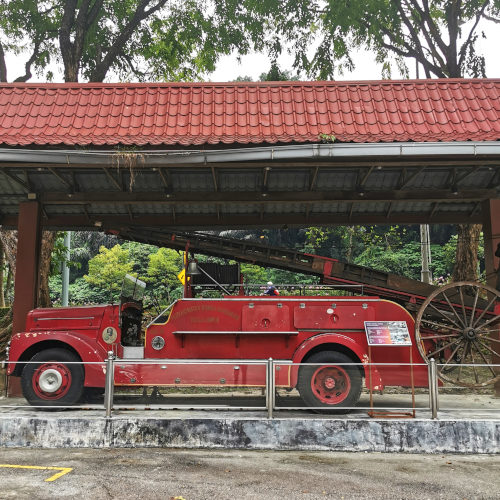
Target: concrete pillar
{"points": [[27, 263], [491, 232]]}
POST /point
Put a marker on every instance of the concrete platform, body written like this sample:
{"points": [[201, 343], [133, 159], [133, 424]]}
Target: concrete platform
{"points": [[466, 424]]}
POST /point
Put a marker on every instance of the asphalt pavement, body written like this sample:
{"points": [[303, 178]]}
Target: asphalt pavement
{"points": [[218, 474]]}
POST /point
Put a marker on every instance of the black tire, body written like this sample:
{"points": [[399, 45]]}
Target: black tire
{"points": [[335, 387], [51, 382]]}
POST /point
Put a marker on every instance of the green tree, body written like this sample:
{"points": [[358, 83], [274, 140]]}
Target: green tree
{"points": [[140, 39], [108, 268], [440, 35], [163, 268]]}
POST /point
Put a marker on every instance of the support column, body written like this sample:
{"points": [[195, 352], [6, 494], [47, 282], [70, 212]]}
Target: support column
{"points": [[491, 232], [27, 263]]}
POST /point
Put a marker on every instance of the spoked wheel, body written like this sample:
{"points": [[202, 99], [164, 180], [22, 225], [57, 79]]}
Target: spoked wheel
{"points": [[457, 325], [333, 386]]}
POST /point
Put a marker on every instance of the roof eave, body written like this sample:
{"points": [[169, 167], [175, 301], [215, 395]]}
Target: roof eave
{"points": [[265, 153]]}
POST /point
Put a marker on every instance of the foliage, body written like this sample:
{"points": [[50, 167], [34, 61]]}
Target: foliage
{"points": [[80, 292], [163, 268], [394, 249], [404, 261], [255, 274], [84, 245], [276, 74], [140, 39], [108, 268], [139, 256], [440, 34]]}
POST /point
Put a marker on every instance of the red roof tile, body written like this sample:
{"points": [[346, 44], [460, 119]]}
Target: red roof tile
{"points": [[242, 113]]}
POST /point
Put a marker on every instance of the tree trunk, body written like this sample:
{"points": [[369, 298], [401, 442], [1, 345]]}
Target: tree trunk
{"points": [[9, 243], [9, 240], [8, 286], [48, 240], [466, 259]]}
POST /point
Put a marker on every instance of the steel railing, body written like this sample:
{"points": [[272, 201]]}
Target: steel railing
{"points": [[271, 367]]}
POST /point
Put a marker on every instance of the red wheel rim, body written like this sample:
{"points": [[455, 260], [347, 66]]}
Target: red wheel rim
{"points": [[331, 384], [51, 381]]}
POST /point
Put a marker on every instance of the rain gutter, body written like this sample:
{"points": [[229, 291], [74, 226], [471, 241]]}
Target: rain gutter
{"points": [[265, 153]]}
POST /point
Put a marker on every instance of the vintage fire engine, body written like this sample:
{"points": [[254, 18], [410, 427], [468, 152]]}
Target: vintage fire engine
{"points": [[319, 344]]}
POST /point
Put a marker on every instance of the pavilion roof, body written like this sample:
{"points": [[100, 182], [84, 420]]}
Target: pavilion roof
{"points": [[242, 113]]}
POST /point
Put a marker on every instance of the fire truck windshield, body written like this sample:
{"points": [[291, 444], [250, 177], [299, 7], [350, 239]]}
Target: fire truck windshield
{"points": [[132, 288]]}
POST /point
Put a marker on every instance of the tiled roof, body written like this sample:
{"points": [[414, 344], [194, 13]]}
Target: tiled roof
{"points": [[185, 114]]}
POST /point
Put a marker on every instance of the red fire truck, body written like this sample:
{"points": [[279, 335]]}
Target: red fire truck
{"points": [[326, 333], [318, 343]]}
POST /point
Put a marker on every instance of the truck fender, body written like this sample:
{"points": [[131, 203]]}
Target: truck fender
{"points": [[329, 341], [26, 344]]}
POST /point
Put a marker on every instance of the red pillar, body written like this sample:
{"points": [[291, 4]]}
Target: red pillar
{"points": [[27, 262], [491, 232]]}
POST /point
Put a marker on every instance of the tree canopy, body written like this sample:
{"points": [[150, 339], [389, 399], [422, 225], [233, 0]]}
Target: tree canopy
{"points": [[440, 35], [139, 39]]}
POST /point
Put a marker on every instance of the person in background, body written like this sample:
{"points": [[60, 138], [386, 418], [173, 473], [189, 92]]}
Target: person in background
{"points": [[271, 289]]}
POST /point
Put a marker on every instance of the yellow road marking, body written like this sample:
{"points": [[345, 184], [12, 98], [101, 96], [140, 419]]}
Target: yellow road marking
{"points": [[63, 470]]}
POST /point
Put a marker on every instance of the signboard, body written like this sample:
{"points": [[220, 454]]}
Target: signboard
{"points": [[387, 333], [182, 276]]}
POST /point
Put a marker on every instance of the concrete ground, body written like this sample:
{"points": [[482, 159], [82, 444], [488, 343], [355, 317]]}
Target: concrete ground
{"points": [[217, 474], [462, 405]]}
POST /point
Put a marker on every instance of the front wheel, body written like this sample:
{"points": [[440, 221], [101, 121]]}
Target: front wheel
{"points": [[335, 385], [49, 380]]}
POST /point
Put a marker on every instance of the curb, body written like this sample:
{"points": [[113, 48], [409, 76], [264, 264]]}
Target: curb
{"points": [[410, 436]]}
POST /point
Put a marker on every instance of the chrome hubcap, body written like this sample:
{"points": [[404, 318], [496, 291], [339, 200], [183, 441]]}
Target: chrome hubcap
{"points": [[50, 380]]}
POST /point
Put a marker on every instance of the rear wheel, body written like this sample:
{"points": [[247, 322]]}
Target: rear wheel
{"points": [[50, 381], [335, 385]]}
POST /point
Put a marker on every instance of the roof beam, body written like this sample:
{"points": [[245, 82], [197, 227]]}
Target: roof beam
{"points": [[202, 221], [214, 178], [473, 170], [164, 176], [113, 180], [333, 163], [389, 210], [265, 177], [243, 197], [16, 180], [61, 178], [409, 179], [365, 177], [433, 209], [314, 176]]}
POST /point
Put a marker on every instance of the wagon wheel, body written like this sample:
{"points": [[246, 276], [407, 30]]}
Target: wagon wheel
{"points": [[457, 325]]}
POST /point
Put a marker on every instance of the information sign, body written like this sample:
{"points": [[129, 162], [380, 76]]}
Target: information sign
{"points": [[387, 333]]}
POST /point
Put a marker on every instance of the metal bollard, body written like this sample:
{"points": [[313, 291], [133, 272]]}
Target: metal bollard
{"points": [[433, 388], [110, 383], [270, 387]]}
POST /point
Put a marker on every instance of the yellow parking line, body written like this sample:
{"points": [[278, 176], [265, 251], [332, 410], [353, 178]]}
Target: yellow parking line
{"points": [[63, 470]]}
